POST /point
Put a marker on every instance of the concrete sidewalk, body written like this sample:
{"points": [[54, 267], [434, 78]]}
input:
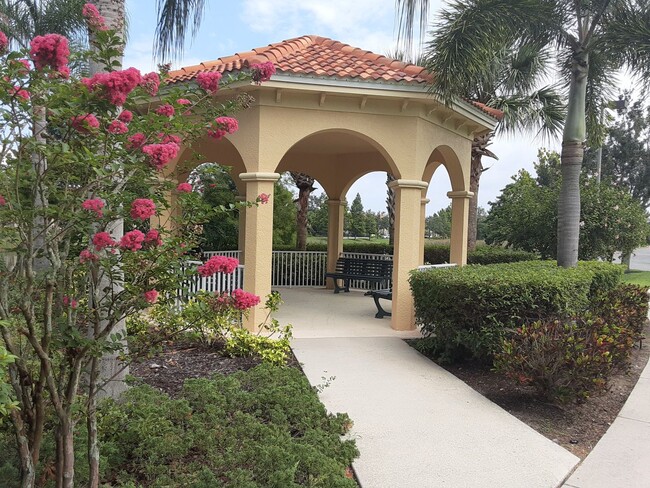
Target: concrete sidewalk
{"points": [[416, 425], [621, 459]]}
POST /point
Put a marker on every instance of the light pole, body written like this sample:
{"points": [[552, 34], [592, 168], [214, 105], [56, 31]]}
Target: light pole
{"points": [[619, 106]]}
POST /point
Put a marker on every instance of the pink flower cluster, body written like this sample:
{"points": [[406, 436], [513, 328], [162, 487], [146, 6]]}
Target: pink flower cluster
{"points": [[167, 138], [262, 72], [152, 238], [165, 110], [218, 264], [87, 256], [150, 296], [4, 42], [244, 300], [142, 209], [94, 205], [209, 80], [161, 154], [184, 188], [22, 65], [50, 50], [3, 202], [132, 240], [263, 198], [223, 126], [183, 101], [114, 86], [136, 141], [94, 19], [151, 82], [20, 93], [125, 116], [102, 240], [84, 123], [71, 302], [117, 127]]}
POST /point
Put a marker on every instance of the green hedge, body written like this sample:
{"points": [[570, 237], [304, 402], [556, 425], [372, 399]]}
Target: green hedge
{"points": [[468, 311]]}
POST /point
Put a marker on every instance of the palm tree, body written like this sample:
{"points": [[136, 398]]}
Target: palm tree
{"points": [[305, 185], [173, 21], [589, 40]]}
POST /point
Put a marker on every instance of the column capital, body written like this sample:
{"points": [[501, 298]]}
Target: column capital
{"points": [[417, 184], [246, 177], [335, 201], [460, 194]]}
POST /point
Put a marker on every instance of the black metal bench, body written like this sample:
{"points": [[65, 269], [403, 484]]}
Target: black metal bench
{"points": [[362, 269], [388, 294]]}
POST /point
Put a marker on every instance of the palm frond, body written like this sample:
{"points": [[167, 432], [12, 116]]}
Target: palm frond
{"points": [[174, 17], [627, 37], [409, 13], [526, 66], [542, 111]]}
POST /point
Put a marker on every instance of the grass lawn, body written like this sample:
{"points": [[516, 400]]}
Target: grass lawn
{"points": [[637, 277]]}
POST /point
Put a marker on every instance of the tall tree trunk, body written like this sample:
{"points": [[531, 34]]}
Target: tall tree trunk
{"points": [[113, 372], [479, 149], [390, 208], [568, 228], [67, 443], [305, 184]]}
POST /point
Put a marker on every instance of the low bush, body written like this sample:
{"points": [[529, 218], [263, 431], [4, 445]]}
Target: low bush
{"points": [[496, 254], [625, 305], [261, 428], [565, 359], [468, 311]]}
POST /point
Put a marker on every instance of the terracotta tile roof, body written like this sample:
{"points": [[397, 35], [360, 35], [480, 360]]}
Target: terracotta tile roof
{"points": [[321, 57], [314, 56]]}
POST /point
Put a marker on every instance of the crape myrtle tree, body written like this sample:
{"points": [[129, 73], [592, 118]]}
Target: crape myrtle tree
{"points": [[107, 141], [590, 40]]}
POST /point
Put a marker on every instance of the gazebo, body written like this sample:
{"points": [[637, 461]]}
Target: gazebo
{"points": [[336, 113]]}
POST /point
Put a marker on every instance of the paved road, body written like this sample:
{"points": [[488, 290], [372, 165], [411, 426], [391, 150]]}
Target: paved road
{"points": [[641, 259]]}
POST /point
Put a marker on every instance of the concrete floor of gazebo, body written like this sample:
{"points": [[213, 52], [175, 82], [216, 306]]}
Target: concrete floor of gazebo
{"points": [[320, 313]]}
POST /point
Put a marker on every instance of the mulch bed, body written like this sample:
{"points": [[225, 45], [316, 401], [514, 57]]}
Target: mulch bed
{"points": [[168, 370], [577, 426]]}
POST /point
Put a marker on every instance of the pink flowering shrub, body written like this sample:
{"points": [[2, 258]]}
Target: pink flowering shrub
{"points": [[165, 110], [4, 42], [136, 141], [263, 198], [150, 296], [50, 51], [244, 300], [223, 126], [161, 154], [184, 188], [150, 82], [3, 202], [132, 240], [209, 80], [167, 138], [93, 18], [94, 205], [125, 116], [218, 264], [114, 86], [117, 127], [183, 101], [152, 238], [102, 240], [84, 123], [262, 72], [87, 256], [20, 93], [142, 209], [70, 302]]}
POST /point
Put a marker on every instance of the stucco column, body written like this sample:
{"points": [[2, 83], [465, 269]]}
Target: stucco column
{"points": [[258, 242], [459, 222], [423, 225], [406, 256], [336, 216], [241, 236]]}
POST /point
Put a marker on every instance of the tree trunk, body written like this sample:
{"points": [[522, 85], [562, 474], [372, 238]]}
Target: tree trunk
{"points": [[472, 223], [305, 184], [91, 422], [568, 228], [67, 444], [27, 469], [390, 208]]}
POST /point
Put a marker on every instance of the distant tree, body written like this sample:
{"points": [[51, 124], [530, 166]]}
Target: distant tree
{"points": [[524, 215], [372, 223], [284, 215], [357, 218], [318, 215], [481, 215], [439, 224]]}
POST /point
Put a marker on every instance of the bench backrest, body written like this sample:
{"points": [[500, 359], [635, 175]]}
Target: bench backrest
{"points": [[365, 267]]}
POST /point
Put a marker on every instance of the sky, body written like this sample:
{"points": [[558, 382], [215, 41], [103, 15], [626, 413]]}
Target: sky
{"points": [[230, 27]]}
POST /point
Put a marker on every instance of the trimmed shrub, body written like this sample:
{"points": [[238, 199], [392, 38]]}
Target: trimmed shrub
{"points": [[261, 428], [565, 360], [496, 254], [625, 305], [468, 311]]}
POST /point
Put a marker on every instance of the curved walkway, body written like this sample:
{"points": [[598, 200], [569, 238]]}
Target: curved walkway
{"points": [[416, 425]]}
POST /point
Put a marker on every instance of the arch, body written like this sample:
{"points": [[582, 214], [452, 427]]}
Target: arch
{"points": [[445, 156], [337, 158]]}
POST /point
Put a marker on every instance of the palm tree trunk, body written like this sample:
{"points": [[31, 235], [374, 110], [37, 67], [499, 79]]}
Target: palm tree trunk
{"points": [[390, 208], [568, 229], [474, 179], [305, 184]]}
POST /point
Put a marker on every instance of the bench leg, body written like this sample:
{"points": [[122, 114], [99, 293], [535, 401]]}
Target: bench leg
{"points": [[347, 286], [381, 313], [337, 288]]}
